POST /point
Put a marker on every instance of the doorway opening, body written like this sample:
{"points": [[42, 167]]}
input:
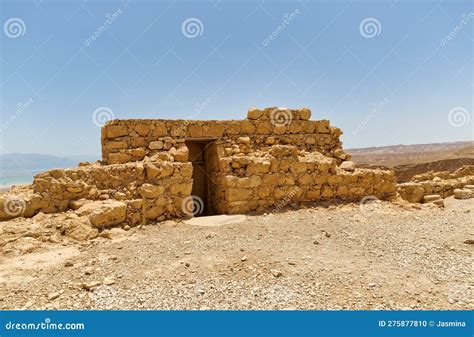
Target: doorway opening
{"points": [[199, 156]]}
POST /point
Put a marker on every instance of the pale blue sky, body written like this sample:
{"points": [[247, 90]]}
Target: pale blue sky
{"points": [[394, 84]]}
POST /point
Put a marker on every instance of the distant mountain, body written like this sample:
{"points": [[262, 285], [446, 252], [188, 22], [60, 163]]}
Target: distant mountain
{"points": [[448, 147], [17, 164], [82, 158]]}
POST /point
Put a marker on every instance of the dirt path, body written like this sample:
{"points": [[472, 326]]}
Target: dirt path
{"points": [[387, 257]]}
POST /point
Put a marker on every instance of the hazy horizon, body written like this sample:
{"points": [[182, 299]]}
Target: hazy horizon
{"points": [[98, 155]]}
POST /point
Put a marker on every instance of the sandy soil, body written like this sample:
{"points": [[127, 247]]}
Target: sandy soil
{"points": [[383, 256]]}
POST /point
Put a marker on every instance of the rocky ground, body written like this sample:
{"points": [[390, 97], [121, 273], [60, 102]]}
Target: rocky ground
{"points": [[380, 256]]}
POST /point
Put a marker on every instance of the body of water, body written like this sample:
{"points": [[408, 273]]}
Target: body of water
{"points": [[23, 179]]}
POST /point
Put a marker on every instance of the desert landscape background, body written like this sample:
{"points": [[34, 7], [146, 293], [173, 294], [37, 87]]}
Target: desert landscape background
{"points": [[409, 160]]}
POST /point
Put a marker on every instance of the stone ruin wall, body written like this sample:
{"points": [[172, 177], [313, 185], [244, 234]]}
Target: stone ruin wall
{"points": [[254, 165], [443, 183], [131, 140], [257, 163]]}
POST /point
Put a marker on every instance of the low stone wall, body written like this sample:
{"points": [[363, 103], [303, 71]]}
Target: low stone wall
{"points": [[415, 191], [247, 184], [464, 171], [152, 189]]}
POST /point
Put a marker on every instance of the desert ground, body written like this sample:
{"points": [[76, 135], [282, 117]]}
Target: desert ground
{"points": [[376, 256]]}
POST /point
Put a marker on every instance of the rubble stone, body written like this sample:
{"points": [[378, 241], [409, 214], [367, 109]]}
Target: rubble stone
{"points": [[463, 193]]}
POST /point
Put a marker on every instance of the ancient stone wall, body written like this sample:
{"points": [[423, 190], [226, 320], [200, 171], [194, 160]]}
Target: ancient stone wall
{"points": [[416, 191], [152, 187], [441, 183], [464, 171], [131, 140], [284, 175]]}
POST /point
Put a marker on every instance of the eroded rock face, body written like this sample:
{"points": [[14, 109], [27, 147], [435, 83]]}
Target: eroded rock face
{"points": [[275, 157]]}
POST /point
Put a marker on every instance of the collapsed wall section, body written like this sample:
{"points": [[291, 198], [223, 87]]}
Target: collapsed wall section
{"points": [[152, 189], [443, 184]]}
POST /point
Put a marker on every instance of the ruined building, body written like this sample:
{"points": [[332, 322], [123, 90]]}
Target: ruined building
{"points": [[154, 169]]}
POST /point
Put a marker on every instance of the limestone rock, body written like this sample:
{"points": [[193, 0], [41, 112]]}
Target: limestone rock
{"points": [[439, 202], [91, 285], [279, 151], [348, 166], [104, 213], [412, 192], [76, 204], [157, 145], [305, 114], [79, 229], [276, 272], [114, 131], [254, 113], [180, 154], [431, 198], [463, 193], [151, 191]]}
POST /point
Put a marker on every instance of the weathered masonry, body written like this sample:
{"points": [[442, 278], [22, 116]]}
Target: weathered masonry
{"points": [[158, 169]]}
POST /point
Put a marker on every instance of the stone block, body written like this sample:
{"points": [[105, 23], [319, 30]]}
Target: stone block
{"points": [[238, 194], [114, 131], [104, 213], [151, 191], [463, 193]]}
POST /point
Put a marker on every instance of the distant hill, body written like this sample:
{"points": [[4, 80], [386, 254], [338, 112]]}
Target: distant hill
{"points": [[412, 154], [18, 164], [83, 158], [409, 160]]}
